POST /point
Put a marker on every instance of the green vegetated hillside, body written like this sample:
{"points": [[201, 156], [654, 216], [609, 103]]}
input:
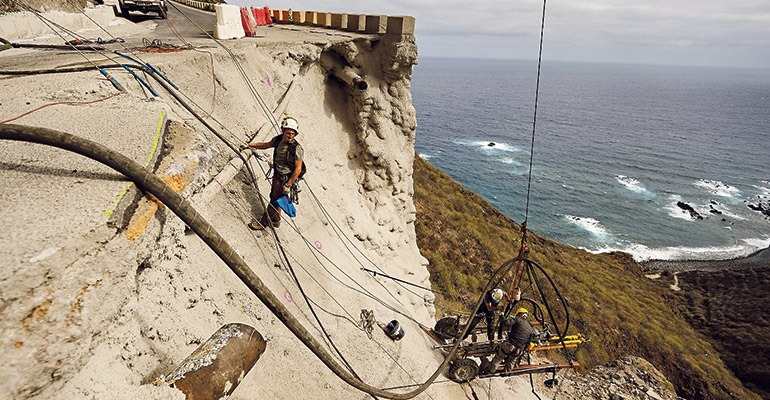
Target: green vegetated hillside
{"points": [[611, 302], [739, 326]]}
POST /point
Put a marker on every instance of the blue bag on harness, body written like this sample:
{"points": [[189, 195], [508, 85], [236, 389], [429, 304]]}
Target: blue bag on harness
{"points": [[287, 206]]}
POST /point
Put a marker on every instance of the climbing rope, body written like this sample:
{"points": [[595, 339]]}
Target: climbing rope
{"points": [[524, 249], [375, 273], [50, 24], [367, 322], [158, 46], [260, 101], [345, 239], [296, 280], [153, 185], [61, 103], [534, 117]]}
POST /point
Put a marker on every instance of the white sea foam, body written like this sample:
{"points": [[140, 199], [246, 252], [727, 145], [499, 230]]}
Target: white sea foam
{"points": [[485, 145], [743, 248], [508, 160], [675, 211], [631, 184], [718, 188], [763, 190], [425, 156], [588, 224], [727, 213], [498, 146]]}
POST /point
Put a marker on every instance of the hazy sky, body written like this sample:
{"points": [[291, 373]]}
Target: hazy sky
{"points": [[678, 32]]}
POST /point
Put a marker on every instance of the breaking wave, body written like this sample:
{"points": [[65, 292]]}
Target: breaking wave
{"points": [[488, 146], [590, 225], [718, 188], [632, 184], [640, 252], [677, 212]]}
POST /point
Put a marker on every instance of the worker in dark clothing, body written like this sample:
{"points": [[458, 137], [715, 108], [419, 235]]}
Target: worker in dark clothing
{"points": [[519, 337], [487, 310], [287, 167]]}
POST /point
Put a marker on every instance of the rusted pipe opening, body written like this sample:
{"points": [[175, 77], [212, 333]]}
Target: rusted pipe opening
{"points": [[217, 366], [349, 75]]}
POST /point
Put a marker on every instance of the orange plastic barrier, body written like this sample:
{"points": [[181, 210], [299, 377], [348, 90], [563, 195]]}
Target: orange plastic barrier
{"points": [[260, 14], [268, 17], [248, 24]]}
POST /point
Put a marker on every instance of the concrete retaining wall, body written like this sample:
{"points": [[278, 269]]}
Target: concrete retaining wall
{"points": [[361, 23], [374, 24], [201, 5]]}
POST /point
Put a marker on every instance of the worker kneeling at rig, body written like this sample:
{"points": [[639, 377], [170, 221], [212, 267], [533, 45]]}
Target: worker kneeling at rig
{"points": [[519, 337]]}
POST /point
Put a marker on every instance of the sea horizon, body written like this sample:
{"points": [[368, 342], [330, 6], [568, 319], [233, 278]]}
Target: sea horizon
{"points": [[600, 63], [617, 148]]}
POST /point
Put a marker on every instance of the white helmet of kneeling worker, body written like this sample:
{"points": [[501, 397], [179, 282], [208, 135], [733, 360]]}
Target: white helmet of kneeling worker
{"points": [[290, 123], [497, 295]]}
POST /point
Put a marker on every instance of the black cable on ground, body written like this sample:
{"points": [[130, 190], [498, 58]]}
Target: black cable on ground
{"points": [[375, 273], [148, 182], [57, 70], [56, 47], [5, 44], [338, 231]]}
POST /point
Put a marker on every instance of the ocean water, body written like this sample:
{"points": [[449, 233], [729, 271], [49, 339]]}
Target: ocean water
{"points": [[615, 149]]}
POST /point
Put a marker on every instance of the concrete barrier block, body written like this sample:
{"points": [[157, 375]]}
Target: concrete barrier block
{"points": [[298, 17], [339, 21], [376, 24], [229, 24], [356, 22], [323, 19], [310, 18], [400, 25], [281, 16]]}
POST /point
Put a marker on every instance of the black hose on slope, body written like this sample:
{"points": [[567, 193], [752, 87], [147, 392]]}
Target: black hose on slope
{"points": [[147, 181]]}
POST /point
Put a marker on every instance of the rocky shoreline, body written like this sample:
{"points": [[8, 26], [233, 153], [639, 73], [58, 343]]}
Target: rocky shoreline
{"points": [[758, 259], [721, 300]]}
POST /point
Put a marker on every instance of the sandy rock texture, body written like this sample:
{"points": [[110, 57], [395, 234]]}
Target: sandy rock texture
{"points": [[624, 379]]}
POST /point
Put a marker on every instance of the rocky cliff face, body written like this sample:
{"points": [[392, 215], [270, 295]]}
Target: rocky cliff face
{"points": [[106, 290]]}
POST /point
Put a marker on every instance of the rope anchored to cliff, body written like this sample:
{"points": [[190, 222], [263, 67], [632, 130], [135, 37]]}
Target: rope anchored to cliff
{"points": [[184, 210]]}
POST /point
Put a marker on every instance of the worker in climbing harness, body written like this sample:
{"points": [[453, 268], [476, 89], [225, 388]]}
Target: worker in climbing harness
{"points": [[488, 310], [519, 337], [287, 167]]}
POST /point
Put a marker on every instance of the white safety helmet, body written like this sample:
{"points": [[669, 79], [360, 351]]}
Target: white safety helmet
{"points": [[497, 295], [290, 123]]}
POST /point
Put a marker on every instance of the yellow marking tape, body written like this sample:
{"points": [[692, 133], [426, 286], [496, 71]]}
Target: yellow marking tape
{"points": [[154, 148]]}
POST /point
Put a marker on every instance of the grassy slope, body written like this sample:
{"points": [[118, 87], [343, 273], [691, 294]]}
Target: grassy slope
{"points": [[611, 302], [738, 328]]}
